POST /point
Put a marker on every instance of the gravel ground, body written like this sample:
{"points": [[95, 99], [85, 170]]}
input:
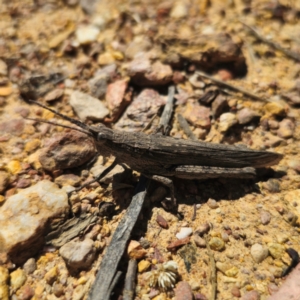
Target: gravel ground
{"points": [[112, 62]]}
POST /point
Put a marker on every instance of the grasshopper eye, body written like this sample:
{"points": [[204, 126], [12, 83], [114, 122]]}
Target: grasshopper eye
{"points": [[101, 136]]}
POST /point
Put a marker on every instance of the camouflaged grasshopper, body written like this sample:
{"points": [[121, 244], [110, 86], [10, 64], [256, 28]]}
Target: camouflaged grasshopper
{"points": [[161, 157]]}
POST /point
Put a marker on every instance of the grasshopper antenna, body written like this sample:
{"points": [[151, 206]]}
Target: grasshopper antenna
{"points": [[87, 129], [57, 124]]}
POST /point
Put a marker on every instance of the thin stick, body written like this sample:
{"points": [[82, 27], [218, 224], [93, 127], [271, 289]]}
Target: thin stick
{"points": [[185, 127], [128, 293], [213, 271], [108, 267], [278, 47], [168, 110], [231, 87]]}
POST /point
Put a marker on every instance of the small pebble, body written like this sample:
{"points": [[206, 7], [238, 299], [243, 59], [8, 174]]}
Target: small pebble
{"points": [[227, 120], [4, 275], [275, 271], [252, 295], [179, 10], [51, 275], [265, 217], [225, 237], [272, 185], [217, 244], [294, 164], [198, 116], [213, 204], [223, 267], [13, 126], [199, 241], [88, 107], [274, 109], [78, 254], [98, 85], [271, 140], [3, 68], [17, 279], [203, 229], [54, 95], [246, 115], [291, 218], [225, 74], [87, 34], [135, 250], [276, 250], [199, 296], [183, 291], [68, 179], [286, 129], [232, 272], [235, 291], [195, 82], [57, 289], [259, 252], [29, 266], [272, 288], [32, 145], [26, 292], [219, 105], [4, 181], [184, 232], [143, 265], [14, 167], [230, 253], [23, 183]]}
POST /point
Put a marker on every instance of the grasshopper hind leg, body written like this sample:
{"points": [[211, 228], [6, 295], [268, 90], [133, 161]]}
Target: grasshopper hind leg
{"points": [[168, 183]]}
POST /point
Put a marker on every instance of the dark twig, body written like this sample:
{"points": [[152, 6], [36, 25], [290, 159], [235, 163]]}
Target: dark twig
{"points": [[213, 271], [150, 123], [97, 178], [231, 87], [278, 47], [108, 267], [195, 212], [115, 281], [168, 110], [102, 286], [128, 293], [185, 127]]}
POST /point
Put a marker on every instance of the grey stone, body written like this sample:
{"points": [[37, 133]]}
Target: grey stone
{"points": [[88, 107], [78, 254]]}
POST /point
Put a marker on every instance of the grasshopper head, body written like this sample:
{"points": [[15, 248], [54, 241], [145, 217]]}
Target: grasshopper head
{"points": [[101, 133]]}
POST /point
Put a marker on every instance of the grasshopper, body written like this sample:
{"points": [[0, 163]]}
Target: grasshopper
{"points": [[161, 157]]}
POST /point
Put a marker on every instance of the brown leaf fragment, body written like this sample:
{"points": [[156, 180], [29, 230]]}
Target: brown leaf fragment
{"points": [[175, 245], [161, 221]]}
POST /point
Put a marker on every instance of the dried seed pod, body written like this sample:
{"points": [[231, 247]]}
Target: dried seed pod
{"points": [[164, 277]]}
